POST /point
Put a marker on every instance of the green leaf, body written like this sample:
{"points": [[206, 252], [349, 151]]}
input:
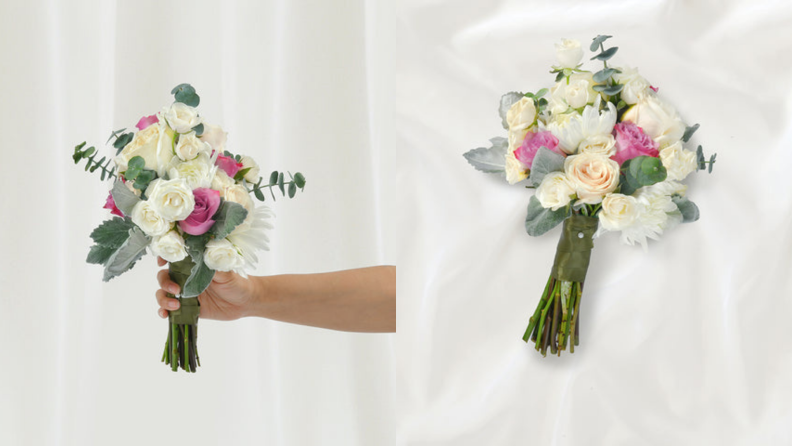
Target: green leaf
{"points": [[185, 93], [559, 76], [595, 43], [114, 134], [228, 217], [490, 159], [689, 210], [540, 220], [507, 100], [702, 162], [123, 140], [641, 171], [621, 105], [98, 255], [299, 180], [689, 131], [604, 74], [609, 90], [292, 190], [241, 173], [112, 233], [544, 162], [607, 54], [273, 178], [137, 163], [541, 93], [200, 278], [258, 193], [125, 199], [712, 162], [88, 152], [198, 129], [126, 256], [144, 178], [280, 184]]}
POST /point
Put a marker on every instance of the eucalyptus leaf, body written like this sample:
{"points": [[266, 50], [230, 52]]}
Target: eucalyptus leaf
{"points": [[689, 131], [604, 74], [292, 190], [227, 218], [595, 43], [711, 162], [273, 178], [559, 76], [126, 256], [507, 100], [702, 162], [185, 93], [112, 233], [607, 54], [259, 194], [299, 180], [280, 184], [689, 210], [125, 199], [540, 220], [490, 159], [122, 141], [544, 162]]}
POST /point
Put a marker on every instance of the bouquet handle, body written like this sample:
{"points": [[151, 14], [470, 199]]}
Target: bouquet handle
{"points": [[181, 349]]}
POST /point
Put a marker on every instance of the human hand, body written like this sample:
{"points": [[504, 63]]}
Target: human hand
{"points": [[229, 296]]}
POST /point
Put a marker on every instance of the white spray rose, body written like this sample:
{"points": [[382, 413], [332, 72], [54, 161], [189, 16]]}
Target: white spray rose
{"points": [[221, 181], [238, 194], [172, 199], [580, 90], [521, 115], [604, 145], [197, 173], [181, 117], [149, 220], [222, 255], [189, 147], [569, 53], [635, 86], [153, 144], [214, 136], [618, 212], [515, 171], [657, 119], [678, 161], [252, 175], [170, 246], [555, 191], [594, 176]]}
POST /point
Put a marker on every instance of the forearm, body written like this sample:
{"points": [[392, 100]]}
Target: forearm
{"points": [[361, 300]]}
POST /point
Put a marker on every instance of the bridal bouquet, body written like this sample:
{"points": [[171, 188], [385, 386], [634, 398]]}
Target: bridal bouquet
{"points": [[604, 152], [177, 191]]}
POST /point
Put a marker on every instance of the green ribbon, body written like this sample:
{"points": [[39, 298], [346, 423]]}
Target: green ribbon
{"points": [[190, 308], [574, 248]]}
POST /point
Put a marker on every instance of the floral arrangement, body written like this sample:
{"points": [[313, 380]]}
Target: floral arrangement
{"points": [[177, 191], [605, 153]]}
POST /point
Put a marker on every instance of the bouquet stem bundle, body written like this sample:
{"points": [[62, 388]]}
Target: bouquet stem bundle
{"points": [[556, 322], [181, 349]]}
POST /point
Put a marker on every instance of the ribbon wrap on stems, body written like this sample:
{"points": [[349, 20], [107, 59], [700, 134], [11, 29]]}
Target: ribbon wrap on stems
{"points": [[574, 248], [181, 348]]}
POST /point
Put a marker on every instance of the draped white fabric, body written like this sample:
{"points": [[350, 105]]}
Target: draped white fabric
{"points": [[299, 85], [686, 344]]}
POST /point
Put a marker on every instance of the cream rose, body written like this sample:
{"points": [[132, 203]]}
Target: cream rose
{"points": [[521, 115], [635, 85], [197, 173], [189, 147], [515, 171], [657, 119], [594, 176], [149, 220], [153, 144], [214, 136], [253, 174], [172, 199], [556, 191], [678, 161], [580, 90], [569, 53], [222, 255], [221, 181], [604, 145], [170, 246], [181, 117], [618, 212], [238, 194]]}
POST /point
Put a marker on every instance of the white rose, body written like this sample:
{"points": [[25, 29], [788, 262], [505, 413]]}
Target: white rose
{"points": [[172, 199], [556, 191], [189, 147], [515, 171], [222, 255], [594, 176], [149, 220], [521, 115], [214, 136], [238, 194], [252, 175], [618, 212], [197, 173], [170, 247], [221, 181], [153, 144], [516, 138], [635, 85], [569, 53], [657, 119], [181, 117], [556, 104], [604, 145], [580, 90], [678, 161]]}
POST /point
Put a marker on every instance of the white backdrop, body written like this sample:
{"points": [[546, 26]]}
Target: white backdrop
{"points": [[687, 344], [299, 85]]}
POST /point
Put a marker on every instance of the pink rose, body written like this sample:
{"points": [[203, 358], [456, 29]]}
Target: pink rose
{"points": [[146, 121], [110, 204], [631, 142], [531, 144], [207, 201], [228, 164], [654, 88]]}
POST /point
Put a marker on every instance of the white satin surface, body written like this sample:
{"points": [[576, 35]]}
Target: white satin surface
{"points": [[298, 85], [686, 344]]}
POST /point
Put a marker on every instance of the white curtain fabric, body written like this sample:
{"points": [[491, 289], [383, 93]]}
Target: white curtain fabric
{"points": [[298, 85], [686, 344]]}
